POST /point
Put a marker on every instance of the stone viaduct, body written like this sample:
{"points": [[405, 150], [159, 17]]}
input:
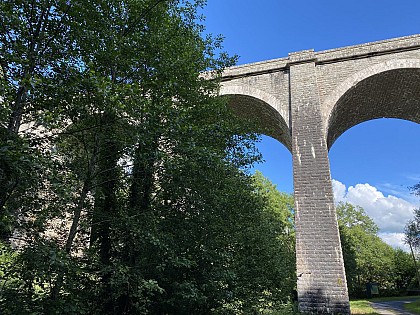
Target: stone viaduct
{"points": [[306, 101]]}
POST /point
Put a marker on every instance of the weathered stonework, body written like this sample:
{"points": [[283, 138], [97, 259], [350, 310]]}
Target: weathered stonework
{"points": [[307, 101]]}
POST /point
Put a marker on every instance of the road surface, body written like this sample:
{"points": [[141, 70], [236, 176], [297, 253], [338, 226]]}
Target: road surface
{"points": [[393, 307]]}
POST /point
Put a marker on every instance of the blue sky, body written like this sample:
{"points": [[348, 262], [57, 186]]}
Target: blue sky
{"points": [[373, 163]]}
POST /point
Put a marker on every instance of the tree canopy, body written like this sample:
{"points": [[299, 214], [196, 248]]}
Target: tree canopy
{"points": [[369, 259], [124, 183]]}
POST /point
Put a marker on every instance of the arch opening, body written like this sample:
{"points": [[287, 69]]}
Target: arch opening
{"points": [[263, 111], [393, 93], [276, 164], [379, 152], [276, 142], [373, 165]]}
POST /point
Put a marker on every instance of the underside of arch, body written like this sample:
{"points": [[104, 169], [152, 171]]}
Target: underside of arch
{"points": [[393, 93], [259, 109]]}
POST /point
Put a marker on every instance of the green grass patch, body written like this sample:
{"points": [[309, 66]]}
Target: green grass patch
{"points": [[362, 307], [413, 307]]}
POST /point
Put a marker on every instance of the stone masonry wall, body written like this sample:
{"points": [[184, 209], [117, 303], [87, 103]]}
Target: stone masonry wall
{"points": [[308, 100], [321, 278]]}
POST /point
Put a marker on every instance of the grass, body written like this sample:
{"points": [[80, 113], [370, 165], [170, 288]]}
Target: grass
{"points": [[362, 307], [413, 307]]}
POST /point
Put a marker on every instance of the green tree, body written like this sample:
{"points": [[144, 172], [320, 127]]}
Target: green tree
{"points": [[412, 239], [366, 257], [267, 255], [350, 217], [34, 44], [405, 270], [129, 192]]}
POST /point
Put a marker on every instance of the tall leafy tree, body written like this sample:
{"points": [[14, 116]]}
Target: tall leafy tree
{"points": [[34, 44], [269, 253], [404, 272], [412, 239], [135, 198]]}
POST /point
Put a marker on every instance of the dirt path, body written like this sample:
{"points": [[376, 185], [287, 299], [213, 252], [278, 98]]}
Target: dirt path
{"points": [[393, 307]]}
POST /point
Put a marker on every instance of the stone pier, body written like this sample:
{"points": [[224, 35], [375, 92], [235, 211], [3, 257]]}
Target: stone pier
{"points": [[306, 101]]}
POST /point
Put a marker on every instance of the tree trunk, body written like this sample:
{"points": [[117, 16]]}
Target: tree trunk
{"points": [[415, 264]]}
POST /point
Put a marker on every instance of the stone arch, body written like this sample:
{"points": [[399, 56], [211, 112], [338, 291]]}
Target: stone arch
{"points": [[387, 90], [249, 102]]}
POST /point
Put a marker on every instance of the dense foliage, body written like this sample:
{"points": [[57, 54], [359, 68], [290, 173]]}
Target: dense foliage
{"points": [[123, 184], [412, 236], [369, 259]]}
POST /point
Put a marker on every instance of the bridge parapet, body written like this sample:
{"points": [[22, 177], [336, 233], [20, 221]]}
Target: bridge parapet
{"points": [[377, 48]]}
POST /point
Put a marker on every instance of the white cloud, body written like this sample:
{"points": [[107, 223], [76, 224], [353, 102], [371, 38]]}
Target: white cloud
{"points": [[400, 191], [339, 190], [396, 240], [389, 212]]}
